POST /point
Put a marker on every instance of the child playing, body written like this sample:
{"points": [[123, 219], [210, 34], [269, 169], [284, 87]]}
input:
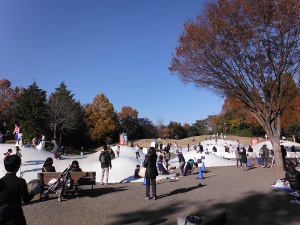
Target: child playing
{"points": [[9, 151], [18, 152], [136, 172], [12, 191], [161, 165], [118, 151]]}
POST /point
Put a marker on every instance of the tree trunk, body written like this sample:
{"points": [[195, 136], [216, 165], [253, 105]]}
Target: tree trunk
{"points": [[278, 155]]}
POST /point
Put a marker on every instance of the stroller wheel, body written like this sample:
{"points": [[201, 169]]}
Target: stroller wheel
{"points": [[44, 197]]}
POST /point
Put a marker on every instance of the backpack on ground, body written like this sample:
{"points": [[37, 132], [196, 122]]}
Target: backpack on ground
{"points": [[102, 158]]}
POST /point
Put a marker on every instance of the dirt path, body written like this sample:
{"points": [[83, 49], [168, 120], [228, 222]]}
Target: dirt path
{"points": [[248, 197]]}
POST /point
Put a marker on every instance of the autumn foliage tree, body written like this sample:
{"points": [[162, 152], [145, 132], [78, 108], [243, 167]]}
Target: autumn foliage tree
{"points": [[8, 99], [128, 118], [102, 120], [248, 50]]}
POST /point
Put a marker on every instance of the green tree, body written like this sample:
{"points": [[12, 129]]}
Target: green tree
{"points": [[102, 120], [146, 129], [200, 127], [248, 50], [176, 131], [65, 113], [30, 112]]}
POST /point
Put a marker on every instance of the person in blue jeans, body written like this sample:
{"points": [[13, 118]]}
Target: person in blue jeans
{"points": [[265, 156], [56, 148]]}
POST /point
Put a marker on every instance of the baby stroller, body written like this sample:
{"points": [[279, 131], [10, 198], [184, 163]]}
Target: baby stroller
{"points": [[60, 185]]}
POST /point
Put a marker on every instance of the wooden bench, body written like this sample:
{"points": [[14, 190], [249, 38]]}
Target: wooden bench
{"points": [[79, 178]]}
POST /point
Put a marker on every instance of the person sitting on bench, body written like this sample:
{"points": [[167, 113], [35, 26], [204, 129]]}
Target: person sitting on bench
{"points": [[48, 165], [75, 167]]}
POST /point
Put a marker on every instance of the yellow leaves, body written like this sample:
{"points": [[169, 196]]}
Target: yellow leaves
{"points": [[101, 118]]}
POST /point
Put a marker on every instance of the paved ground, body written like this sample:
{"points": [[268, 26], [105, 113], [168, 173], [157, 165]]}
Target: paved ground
{"points": [[248, 197]]}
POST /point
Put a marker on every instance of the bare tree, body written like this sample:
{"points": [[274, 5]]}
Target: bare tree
{"points": [[248, 49]]}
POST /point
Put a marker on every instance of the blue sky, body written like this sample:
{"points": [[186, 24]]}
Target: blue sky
{"points": [[121, 48]]}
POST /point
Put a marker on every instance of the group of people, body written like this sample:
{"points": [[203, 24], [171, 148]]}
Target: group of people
{"points": [[241, 158], [48, 166]]}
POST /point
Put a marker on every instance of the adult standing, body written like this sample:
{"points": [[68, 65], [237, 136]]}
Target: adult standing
{"points": [[237, 157], [265, 156], [105, 162], [243, 158], [151, 172], [283, 153], [4, 130], [181, 161]]}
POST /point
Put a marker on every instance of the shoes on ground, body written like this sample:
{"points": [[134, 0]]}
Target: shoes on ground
{"points": [[106, 184], [154, 198], [147, 198], [295, 201], [296, 194]]}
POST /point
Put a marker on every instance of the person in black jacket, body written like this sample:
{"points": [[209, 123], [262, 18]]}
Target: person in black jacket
{"points": [[105, 162], [293, 177], [151, 172], [283, 154], [13, 190], [48, 165], [75, 166], [243, 158]]}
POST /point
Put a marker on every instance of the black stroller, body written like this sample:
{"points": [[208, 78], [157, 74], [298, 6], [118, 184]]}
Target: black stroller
{"points": [[62, 184]]}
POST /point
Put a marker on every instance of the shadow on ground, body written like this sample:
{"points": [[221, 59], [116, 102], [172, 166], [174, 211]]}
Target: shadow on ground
{"points": [[255, 209]]}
